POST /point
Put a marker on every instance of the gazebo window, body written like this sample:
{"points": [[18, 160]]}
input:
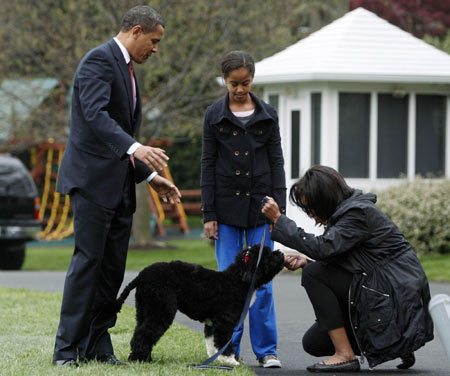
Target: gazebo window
{"points": [[392, 136], [295, 144], [274, 101], [430, 135], [316, 106], [354, 131]]}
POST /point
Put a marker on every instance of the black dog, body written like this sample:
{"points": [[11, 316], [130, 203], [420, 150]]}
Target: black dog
{"points": [[214, 298]]}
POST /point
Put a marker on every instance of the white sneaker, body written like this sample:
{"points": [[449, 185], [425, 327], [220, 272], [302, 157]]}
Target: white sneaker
{"points": [[270, 361]]}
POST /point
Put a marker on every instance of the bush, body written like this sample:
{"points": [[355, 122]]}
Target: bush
{"points": [[421, 210]]}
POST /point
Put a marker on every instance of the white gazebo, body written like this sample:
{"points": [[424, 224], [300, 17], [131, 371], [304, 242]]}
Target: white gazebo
{"points": [[364, 97]]}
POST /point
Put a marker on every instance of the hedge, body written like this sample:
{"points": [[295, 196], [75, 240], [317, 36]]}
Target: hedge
{"points": [[421, 210]]}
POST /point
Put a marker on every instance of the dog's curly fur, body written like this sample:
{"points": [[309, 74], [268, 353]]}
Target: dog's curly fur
{"points": [[214, 298]]}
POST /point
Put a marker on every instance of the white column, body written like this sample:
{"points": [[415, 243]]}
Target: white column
{"points": [[329, 135], [447, 140], [412, 137], [373, 134]]}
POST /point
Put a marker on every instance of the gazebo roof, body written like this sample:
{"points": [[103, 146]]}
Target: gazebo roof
{"points": [[359, 47]]}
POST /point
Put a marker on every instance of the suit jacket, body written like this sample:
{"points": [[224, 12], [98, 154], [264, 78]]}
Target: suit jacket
{"points": [[102, 128]]}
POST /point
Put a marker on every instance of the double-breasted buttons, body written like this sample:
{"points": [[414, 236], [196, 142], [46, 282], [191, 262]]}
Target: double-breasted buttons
{"points": [[247, 173], [236, 153], [238, 193], [235, 133], [238, 172], [247, 193], [246, 152]]}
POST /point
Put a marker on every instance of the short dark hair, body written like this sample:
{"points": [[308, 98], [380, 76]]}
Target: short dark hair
{"points": [[322, 189], [235, 60], [144, 16]]}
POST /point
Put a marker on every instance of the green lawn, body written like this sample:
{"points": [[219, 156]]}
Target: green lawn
{"points": [[198, 251], [28, 323], [437, 267]]}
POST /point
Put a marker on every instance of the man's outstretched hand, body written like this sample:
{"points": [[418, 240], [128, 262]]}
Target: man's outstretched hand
{"points": [[154, 158], [166, 189]]}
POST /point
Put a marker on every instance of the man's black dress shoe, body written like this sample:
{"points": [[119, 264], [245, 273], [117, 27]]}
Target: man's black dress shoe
{"points": [[110, 359], [407, 361], [66, 363], [350, 366]]}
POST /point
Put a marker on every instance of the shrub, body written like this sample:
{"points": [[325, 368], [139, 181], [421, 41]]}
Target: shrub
{"points": [[421, 210]]}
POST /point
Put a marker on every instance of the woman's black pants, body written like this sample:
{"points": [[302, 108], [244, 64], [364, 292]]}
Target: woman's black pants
{"points": [[327, 286]]}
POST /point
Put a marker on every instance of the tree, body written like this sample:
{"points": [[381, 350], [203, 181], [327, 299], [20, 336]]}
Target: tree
{"points": [[47, 38], [418, 17]]}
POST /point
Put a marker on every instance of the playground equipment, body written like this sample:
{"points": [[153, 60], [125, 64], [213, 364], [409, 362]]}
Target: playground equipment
{"points": [[55, 210]]}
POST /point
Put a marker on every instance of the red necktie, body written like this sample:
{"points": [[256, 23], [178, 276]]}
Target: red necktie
{"points": [[133, 85]]}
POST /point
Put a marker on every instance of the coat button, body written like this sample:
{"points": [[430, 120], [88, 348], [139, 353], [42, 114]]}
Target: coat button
{"points": [[238, 193], [246, 152], [247, 173], [247, 194], [238, 172], [221, 129], [235, 133], [236, 153]]}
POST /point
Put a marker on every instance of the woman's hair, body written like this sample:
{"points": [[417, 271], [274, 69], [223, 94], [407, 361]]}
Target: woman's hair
{"points": [[144, 16], [320, 191], [236, 60]]}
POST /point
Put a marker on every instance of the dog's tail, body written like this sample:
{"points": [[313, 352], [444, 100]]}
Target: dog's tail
{"points": [[118, 303]]}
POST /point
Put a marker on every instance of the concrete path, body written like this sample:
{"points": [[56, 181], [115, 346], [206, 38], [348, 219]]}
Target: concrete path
{"points": [[294, 316]]}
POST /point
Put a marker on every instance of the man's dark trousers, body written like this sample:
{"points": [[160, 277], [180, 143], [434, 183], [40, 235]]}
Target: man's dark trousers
{"points": [[96, 270]]}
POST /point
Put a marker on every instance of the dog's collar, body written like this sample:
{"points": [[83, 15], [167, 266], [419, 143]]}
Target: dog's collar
{"points": [[246, 256]]}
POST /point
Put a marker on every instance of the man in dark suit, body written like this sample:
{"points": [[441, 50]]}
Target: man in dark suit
{"points": [[101, 164]]}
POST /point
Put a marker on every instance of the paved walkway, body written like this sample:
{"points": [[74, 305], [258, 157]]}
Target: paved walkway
{"points": [[294, 316]]}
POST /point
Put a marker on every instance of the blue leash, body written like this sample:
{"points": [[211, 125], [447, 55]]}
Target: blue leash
{"points": [[205, 364]]}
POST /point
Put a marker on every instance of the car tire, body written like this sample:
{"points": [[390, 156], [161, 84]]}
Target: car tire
{"points": [[12, 257]]}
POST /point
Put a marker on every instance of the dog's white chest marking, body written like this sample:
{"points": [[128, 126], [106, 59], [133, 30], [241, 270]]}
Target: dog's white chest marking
{"points": [[208, 322]]}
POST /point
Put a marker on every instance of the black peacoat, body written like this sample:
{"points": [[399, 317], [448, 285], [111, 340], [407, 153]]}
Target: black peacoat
{"points": [[389, 293], [241, 164]]}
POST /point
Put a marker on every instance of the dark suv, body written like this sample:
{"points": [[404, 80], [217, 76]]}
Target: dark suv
{"points": [[19, 211]]}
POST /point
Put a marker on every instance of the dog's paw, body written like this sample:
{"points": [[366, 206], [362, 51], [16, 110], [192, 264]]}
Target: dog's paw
{"points": [[134, 357], [228, 359]]}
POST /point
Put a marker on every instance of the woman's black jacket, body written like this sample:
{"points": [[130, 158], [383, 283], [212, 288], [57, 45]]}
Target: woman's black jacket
{"points": [[241, 164], [389, 293]]}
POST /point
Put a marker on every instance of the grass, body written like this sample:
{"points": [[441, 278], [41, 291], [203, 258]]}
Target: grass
{"points": [[199, 251], [28, 324], [437, 267]]}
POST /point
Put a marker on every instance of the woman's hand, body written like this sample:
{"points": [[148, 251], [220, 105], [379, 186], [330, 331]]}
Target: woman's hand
{"points": [[211, 230], [293, 261], [271, 209]]}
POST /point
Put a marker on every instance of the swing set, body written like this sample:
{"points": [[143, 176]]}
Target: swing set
{"points": [[55, 210]]}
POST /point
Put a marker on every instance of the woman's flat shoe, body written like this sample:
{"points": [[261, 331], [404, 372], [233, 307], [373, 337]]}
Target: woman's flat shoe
{"points": [[349, 366], [407, 361]]}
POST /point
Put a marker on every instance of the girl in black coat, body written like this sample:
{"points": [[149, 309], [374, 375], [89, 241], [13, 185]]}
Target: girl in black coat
{"points": [[242, 162], [367, 287]]}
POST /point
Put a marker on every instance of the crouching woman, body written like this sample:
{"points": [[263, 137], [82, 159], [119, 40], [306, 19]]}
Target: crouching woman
{"points": [[366, 285]]}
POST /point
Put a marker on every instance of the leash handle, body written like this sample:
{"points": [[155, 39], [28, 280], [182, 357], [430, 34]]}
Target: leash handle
{"points": [[246, 305]]}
